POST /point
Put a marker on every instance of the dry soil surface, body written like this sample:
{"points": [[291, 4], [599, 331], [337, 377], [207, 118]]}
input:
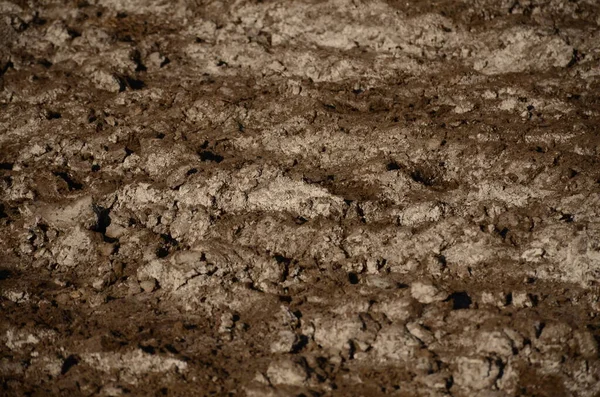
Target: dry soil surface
{"points": [[300, 198]]}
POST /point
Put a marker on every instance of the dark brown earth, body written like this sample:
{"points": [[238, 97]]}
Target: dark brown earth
{"points": [[274, 198]]}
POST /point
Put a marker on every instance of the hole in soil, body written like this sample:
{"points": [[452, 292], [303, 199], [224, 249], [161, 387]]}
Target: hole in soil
{"points": [[3, 213], [52, 115], [102, 219], [71, 184], [5, 274], [300, 344], [460, 300], [134, 84], [162, 252], [140, 67], [567, 218], [282, 259], [361, 214], [534, 299], [7, 166], [241, 127], [576, 57], [422, 177], [353, 278], [300, 220], [37, 20], [147, 349], [95, 168], [503, 232], [442, 260], [207, 155], [539, 328], [6, 66], [125, 38], [168, 243], [73, 33], [69, 363], [572, 173], [392, 166], [45, 63]]}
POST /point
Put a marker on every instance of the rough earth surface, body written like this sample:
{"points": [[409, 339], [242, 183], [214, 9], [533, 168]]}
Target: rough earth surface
{"points": [[300, 198]]}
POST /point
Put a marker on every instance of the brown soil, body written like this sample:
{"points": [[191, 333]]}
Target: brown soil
{"points": [[274, 198]]}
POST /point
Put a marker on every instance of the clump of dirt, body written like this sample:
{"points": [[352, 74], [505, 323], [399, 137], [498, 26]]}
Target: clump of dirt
{"points": [[299, 198]]}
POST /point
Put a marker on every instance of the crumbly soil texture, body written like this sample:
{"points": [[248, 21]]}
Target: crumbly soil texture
{"points": [[300, 198]]}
